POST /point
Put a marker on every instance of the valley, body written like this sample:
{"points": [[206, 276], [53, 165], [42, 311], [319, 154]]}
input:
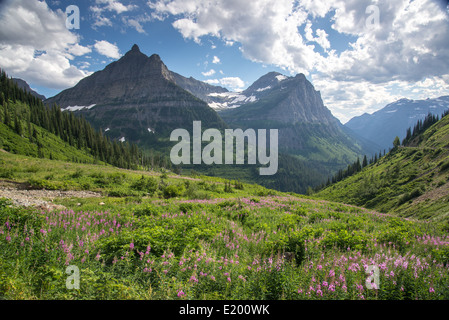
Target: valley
{"points": [[136, 226]]}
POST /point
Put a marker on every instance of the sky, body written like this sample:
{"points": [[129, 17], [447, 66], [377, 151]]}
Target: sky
{"points": [[360, 54]]}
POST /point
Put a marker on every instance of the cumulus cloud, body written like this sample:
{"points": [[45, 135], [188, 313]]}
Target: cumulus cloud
{"points": [[107, 49], [216, 60], [113, 7], [267, 33], [35, 45], [393, 45], [208, 73]]}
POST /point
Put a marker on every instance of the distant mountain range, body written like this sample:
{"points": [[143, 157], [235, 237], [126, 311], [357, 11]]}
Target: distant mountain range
{"points": [[395, 118]]}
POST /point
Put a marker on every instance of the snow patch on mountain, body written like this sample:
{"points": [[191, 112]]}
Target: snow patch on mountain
{"points": [[77, 108]]}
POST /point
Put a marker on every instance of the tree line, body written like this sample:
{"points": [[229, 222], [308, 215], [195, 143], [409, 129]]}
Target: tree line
{"points": [[72, 129], [421, 126]]}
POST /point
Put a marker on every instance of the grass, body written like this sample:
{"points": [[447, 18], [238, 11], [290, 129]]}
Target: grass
{"points": [[411, 181], [205, 243]]}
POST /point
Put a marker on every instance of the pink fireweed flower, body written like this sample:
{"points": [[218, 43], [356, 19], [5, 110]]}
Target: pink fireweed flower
{"points": [[131, 245], [180, 293], [431, 290]]}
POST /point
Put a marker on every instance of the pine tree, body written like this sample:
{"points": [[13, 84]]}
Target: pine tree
{"points": [[17, 124], [365, 161]]}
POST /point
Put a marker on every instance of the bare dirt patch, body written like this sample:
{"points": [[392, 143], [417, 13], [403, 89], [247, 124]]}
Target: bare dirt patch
{"points": [[43, 199]]}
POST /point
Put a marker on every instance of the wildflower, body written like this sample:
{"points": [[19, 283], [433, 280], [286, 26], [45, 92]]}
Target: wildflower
{"points": [[180, 293], [229, 279], [431, 290], [131, 245]]}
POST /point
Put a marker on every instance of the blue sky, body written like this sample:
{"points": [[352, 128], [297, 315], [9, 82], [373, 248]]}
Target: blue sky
{"points": [[360, 54]]}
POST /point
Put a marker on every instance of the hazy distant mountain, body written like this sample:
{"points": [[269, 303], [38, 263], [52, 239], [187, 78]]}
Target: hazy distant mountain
{"points": [[24, 85], [394, 119], [136, 98]]}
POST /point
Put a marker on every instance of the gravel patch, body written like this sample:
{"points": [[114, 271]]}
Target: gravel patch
{"points": [[42, 199]]}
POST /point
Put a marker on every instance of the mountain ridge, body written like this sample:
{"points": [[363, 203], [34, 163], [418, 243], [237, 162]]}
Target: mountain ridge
{"points": [[393, 120]]}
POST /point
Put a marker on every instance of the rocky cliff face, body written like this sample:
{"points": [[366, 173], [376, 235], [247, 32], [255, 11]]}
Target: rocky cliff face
{"points": [[306, 127], [199, 89], [135, 98]]}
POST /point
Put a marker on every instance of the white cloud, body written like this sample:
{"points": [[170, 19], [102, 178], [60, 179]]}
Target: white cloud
{"points": [[267, 33], [212, 81], [136, 22], [216, 60], [232, 83], [113, 5], [107, 49], [208, 73], [35, 45], [102, 22], [383, 61]]}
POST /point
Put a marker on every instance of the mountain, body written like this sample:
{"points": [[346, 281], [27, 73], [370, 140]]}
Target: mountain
{"points": [[136, 99], [307, 128], [411, 180], [395, 118], [199, 89], [22, 84]]}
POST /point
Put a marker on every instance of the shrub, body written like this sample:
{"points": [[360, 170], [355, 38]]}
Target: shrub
{"points": [[444, 166], [172, 191], [148, 185]]}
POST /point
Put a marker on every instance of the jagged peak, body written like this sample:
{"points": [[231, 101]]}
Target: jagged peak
{"points": [[155, 57], [135, 48]]}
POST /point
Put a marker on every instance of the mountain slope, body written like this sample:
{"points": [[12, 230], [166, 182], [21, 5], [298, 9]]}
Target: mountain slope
{"points": [[22, 84], [411, 180], [393, 120], [306, 127], [136, 99]]}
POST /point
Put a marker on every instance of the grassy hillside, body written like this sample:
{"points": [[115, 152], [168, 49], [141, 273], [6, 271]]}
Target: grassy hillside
{"points": [[203, 238], [411, 181]]}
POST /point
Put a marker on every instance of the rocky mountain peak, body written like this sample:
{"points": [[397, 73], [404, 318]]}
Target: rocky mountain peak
{"points": [[135, 48]]}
